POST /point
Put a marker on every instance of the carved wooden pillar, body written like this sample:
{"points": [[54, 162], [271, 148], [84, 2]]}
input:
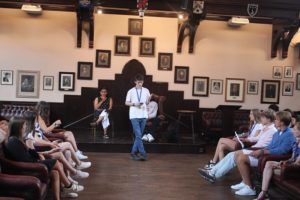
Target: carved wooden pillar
{"points": [[283, 32], [85, 13], [197, 13]]}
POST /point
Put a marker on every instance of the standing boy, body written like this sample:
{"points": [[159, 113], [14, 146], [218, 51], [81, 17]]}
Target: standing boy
{"points": [[137, 98]]}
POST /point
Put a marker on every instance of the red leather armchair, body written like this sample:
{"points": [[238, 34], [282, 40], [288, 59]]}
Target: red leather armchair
{"points": [[13, 187], [36, 174], [289, 180], [264, 159]]}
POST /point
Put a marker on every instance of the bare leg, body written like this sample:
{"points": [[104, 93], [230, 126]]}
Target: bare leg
{"points": [[59, 156], [70, 138], [55, 184], [224, 144], [267, 174], [68, 146], [100, 119], [62, 175], [243, 164]]}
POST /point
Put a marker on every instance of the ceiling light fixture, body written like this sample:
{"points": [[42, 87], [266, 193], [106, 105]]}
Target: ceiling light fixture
{"points": [[99, 11], [35, 9], [238, 21]]}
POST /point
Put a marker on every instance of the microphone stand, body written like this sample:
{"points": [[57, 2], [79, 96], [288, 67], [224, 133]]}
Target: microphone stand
{"points": [[81, 119]]}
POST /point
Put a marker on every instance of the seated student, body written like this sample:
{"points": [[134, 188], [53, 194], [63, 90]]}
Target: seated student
{"points": [[152, 108], [226, 144], [273, 165], [55, 153], [229, 162], [3, 129], [66, 147], [4, 125], [15, 149], [102, 107], [155, 116], [281, 143], [43, 111]]}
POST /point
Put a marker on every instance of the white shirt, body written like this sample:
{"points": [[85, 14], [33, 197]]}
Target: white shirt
{"points": [[252, 136], [152, 108], [138, 95], [265, 136]]}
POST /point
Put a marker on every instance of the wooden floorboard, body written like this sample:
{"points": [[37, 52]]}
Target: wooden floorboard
{"points": [[113, 176]]}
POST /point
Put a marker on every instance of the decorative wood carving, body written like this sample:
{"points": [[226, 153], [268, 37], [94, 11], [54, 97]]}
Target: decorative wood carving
{"points": [[85, 14], [197, 12], [283, 32]]}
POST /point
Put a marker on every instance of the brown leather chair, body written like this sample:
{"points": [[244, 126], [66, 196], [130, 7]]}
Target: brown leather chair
{"points": [[20, 173], [16, 187]]}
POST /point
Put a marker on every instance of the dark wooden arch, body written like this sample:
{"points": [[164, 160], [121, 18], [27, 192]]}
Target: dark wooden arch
{"points": [[76, 106]]}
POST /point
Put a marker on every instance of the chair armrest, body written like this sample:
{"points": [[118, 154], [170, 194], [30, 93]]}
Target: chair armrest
{"points": [[20, 186], [38, 170], [56, 135], [290, 171], [268, 157], [56, 130]]}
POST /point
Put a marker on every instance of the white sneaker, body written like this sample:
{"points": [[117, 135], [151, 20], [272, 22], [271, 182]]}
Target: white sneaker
{"points": [[72, 180], [239, 186], [246, 191], [150, 137], [81, 174], [80, 156], [74, 188], [67, 194], [145, 138], [84, 165]]}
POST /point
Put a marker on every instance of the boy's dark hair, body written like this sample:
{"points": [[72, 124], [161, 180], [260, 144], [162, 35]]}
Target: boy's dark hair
{"points": [[139, 77], [274, 107]]}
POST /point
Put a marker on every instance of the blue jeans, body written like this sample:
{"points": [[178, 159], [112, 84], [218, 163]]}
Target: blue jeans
{"points": [[138, 125], [224, 166]]}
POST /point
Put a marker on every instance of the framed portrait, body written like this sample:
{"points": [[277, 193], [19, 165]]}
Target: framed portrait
{"points": [[103, 58], [181, 74], [235, 90], [277, 72], [147, 47], [7, 77], [85, 71], [28, 84], [200, 86], [252, 87], [48, 82], [135, 26], [216, 86], [122, 46], [298, 81], [287, 88], [165, 61], [288, 72], [66, 81], [270, 90]]}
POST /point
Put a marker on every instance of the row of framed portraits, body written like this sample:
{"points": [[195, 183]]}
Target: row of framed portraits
{"points": [[235, 88], [28, 82], [165, 60], [282, 72]]}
